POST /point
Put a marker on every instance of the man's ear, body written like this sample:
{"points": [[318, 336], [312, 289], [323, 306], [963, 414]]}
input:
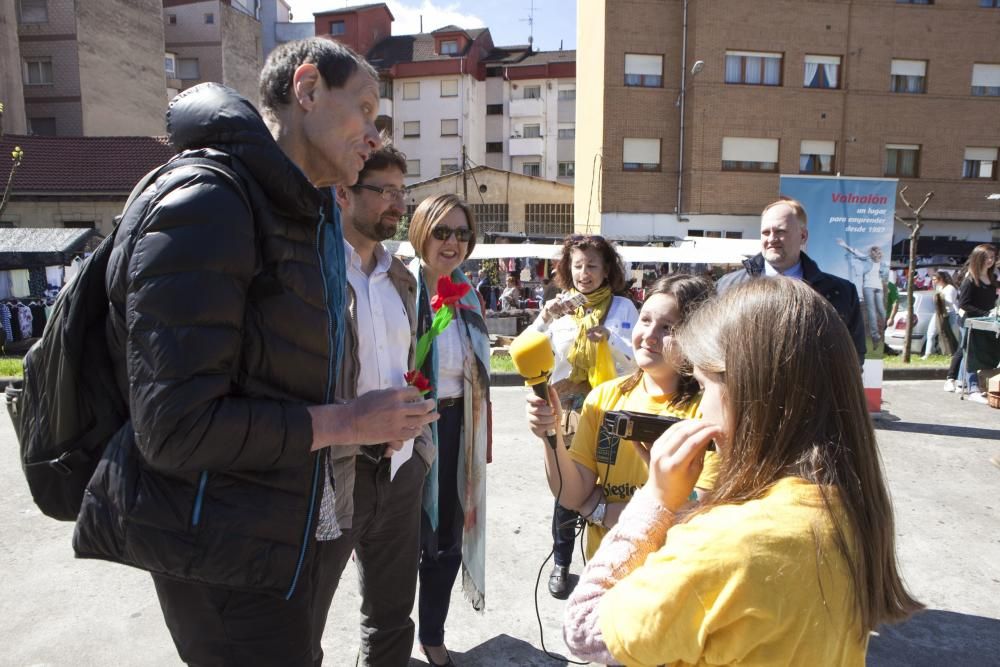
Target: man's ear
{"points": [[305, 81], [805, 234], [340, 193]]}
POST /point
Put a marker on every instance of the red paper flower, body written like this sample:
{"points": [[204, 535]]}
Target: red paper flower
{"points": [[449, 293], [418, 380]]}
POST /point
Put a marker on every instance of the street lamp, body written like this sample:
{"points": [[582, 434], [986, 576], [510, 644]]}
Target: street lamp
{"points": [[697, 67]]}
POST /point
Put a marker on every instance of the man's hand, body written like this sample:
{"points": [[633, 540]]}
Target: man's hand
{"points": [[386, 415], [676, 459], [543, 417]]}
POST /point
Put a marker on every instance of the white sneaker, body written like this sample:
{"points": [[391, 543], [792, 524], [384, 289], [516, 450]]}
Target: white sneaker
{"points": [[949, 385], [924, 357], [978, 397]]}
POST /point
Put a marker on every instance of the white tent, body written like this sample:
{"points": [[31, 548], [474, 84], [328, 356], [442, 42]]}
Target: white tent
{"points": [[692, 250]]}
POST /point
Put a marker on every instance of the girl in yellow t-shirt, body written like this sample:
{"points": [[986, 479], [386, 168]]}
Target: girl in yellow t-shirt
{"points": [[790, 559], [599, 472]]}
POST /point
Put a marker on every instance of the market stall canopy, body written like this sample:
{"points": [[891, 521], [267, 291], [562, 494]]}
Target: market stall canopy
{"points": [[692, 250], [28, 247]]}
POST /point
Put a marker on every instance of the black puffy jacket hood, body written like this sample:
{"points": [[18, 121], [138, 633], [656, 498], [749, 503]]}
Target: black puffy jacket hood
{"points": [[211, 115]]}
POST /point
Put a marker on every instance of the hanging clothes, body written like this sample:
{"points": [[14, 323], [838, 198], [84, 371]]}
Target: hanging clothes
{"points": [[25, 319], [36, 281], [15, 321], [5, 321], [38, 319], [72, 269], [19, 283], [54, 276], [5, 285]]}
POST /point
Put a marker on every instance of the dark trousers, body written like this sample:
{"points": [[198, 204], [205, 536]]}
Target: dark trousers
{"points": [[385, 536], [956, 358], [441, 550], [563, 534], [217, 627]]}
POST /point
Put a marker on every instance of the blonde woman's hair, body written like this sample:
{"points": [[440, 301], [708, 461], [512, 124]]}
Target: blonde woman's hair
{"points": [[796, 407]]}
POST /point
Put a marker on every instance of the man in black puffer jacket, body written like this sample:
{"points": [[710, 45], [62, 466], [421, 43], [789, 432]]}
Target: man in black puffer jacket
{"points": [[227, 296], [783, 232]]}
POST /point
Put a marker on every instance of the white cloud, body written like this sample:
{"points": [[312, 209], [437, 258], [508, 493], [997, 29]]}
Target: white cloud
{"points": [[407, 14]]}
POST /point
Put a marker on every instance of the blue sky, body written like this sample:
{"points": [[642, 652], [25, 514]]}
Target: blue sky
{"points": [[555, 20]]}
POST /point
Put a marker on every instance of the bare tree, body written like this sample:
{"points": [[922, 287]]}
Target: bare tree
{"points": [[16, 155], [914, 227]]}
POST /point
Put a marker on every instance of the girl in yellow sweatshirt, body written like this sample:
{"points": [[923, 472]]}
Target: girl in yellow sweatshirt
{"points": [[790, 559]]}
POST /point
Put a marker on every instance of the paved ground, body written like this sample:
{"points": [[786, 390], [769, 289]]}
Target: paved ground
{"points": [[55, 610]]}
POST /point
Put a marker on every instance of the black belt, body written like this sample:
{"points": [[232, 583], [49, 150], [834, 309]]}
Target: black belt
{"points": [[449, 402]]}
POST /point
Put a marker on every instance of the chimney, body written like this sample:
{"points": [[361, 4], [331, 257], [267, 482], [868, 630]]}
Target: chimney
{"points": [[421, 24]]}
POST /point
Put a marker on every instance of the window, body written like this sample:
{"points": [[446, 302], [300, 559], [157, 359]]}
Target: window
{"points": [[78, 224], [556, 219], [37, 71], [494, 147], [902, 160], [491, 217], [337, 28], [531, 169], [643, 71], [822, 72], [816, 157], [170, 65], [385, 89], [449, 127], [449, 47], [449, 165], [986, 80], [697, 233], [171, 19], [567, 133], [567, 93], [411, 128], [732, 235], [532, 131], [989, 3], [914, 2], [567, 169], [532, 92], [641, 155], [42, 126], [980, 163], [494, 109], [908, 76], [749, 154], [449, 88], [412, 168], [752, 68], [33, 11], [187, 69], [411, 90], [209, 18]]}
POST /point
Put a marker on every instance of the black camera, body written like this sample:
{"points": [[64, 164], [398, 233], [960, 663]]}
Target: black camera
{"points": [[638, 426]]}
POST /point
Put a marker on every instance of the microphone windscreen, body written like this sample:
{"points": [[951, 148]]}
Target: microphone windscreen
{"points": [[532, 355]]}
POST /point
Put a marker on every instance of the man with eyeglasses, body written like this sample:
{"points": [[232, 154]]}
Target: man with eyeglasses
{"points": [[378, 514]]}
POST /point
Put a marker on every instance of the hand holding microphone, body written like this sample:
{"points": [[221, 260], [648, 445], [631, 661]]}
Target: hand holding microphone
{"points": [[532, 355]]}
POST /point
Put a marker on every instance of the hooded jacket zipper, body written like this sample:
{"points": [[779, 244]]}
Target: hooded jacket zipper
{"points": [[198, 499], [329, 380]]}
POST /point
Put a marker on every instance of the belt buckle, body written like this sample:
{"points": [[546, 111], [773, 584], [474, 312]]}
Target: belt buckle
{"points": [[373, 453]]}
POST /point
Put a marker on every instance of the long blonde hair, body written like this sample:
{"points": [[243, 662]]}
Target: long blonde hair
{"points": [[796, 407]]}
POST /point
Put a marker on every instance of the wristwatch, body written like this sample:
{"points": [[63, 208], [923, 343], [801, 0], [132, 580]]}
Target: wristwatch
{"points": [[596, 517]]}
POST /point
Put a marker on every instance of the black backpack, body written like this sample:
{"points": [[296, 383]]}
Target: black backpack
{"points": [[70, 405]]}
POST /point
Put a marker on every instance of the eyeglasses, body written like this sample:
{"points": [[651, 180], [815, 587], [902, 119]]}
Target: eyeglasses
{"points": [[388, 194], [442, 233]]}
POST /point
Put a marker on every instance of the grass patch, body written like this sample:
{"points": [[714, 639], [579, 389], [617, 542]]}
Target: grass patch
{"points": [[11, 367], [501, 363], [915, 361]]}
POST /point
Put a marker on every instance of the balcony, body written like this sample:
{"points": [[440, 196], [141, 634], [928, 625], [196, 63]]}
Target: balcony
{"points": [[526, 107], [384, 107], [519, 146]]}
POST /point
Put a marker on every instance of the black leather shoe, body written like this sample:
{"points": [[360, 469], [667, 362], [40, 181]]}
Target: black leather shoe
{"points": [[559, 582]]}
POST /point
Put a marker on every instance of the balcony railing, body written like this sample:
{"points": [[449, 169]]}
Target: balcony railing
{"points": [[519, 146]]}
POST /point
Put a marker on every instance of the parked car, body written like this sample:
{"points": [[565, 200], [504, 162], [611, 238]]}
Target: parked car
{"points": [[895, 331]]}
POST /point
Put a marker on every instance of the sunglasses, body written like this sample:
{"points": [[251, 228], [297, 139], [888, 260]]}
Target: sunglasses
{"points": [[442, 233]]}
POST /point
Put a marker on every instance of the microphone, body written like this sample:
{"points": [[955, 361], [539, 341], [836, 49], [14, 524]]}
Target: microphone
{"points": [[532, 355]]}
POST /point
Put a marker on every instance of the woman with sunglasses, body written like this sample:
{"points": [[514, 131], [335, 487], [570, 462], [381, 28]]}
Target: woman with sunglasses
{"points": [[590, 327], [791, 558], [443, 234]]}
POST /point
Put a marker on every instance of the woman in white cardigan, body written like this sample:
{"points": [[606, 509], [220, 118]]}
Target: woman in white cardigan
{"points": [[589, 324]]}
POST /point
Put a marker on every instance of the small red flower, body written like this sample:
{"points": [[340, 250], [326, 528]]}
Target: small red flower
{"points": [[448, 293], [418, 380]]}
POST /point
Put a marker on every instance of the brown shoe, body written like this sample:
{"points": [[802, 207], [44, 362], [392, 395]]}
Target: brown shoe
{"points": [[559, 582]]}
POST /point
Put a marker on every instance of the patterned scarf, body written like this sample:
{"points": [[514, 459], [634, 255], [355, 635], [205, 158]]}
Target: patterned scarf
{"points": [[582, 355], [475, 434]]}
